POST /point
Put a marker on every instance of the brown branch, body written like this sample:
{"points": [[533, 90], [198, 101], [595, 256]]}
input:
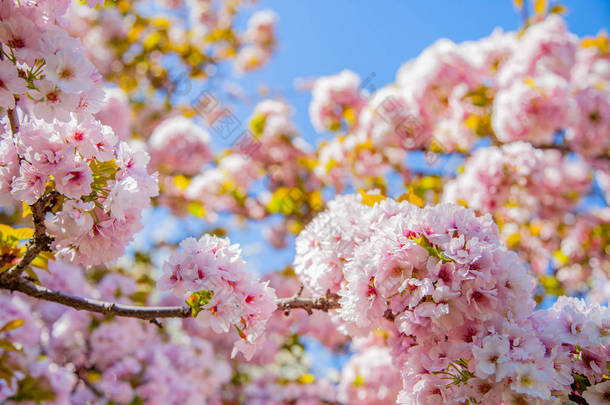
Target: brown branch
{"points": [[148, 313], [41, 242], [574, 397], [91, 305], [13, 120], [330, 301]]}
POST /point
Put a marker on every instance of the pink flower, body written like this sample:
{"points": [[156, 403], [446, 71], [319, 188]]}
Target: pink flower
{"points": [[29, 185], [588, 134], [22, 35], [546, 47], [261, 26], [10, 84], [69, 70], [74, 219], [73, 178], [51, 102], [123, 196]]}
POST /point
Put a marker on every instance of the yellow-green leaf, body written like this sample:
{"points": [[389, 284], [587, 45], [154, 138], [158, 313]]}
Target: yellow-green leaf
{"points": [[307, 379], [181, 182], [257, 124], [371, 199], [558, 9], [540, 7], [412, 198], [26, 209], [14, 324], [8, 346], [17, 233], [31, 273], [196, 209]]}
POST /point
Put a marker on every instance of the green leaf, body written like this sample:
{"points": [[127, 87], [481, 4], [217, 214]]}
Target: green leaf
{"points": [[198, 300], [580, 383]]}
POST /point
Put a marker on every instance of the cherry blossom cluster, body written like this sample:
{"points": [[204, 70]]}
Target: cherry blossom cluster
{"points": [[518, 181], [60, 145], [104, 184], [583, 259], [227, 296], [458, 304], [129, 46], [43, 61], [533, 87], [260, 37]]}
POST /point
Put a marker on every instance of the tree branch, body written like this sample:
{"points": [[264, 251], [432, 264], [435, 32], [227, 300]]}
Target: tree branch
{"points": [[330, 301], [41, 242], [148, 313], [13, 120], [91, 305]]}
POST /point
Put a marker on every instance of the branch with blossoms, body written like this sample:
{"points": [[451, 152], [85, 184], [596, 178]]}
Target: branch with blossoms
{"points": [[149, 313], [41, 241]]}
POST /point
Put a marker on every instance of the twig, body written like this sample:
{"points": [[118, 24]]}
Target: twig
{"points": [[577, 399], [99, 394], [156, 322], [41, 242], [13, 120]]}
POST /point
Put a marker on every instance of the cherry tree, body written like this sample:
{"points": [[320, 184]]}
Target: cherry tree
{"points": [[488, 285]]}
